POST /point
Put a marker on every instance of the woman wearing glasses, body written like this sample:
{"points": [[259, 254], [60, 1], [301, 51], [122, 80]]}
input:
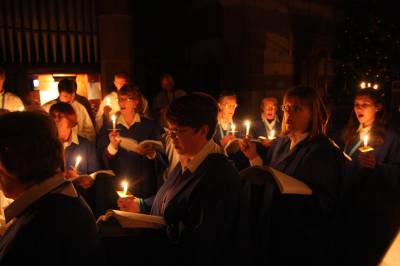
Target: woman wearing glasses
{"points": [[372, 210], [299, 228], [140, 166]]}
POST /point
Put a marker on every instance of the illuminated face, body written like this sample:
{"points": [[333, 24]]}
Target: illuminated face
{"points": [[365, 110], [227, 106], [186, 141], [269, 109], [64, 130], [119, 82], [127, 105], [166, 84], [66, 97], [297, 115]]}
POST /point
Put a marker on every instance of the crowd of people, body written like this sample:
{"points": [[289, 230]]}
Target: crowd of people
{"points": [[198, 178]]}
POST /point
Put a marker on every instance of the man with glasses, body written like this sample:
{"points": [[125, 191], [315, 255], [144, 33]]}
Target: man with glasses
{"points": [[201, 202]]}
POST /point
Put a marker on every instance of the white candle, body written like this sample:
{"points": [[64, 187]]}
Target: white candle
{"points": [[362, 85], [114, 121], [108, 101], [78, 160], [233, 129], [247, 124], [271, 135], [366, 141], [124, 185]]}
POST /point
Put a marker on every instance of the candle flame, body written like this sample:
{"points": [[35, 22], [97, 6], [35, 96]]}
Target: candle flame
{"points": [[78, 160], [114, 120], [362, 85], [247, 124], [365, 140], [124, 185]]}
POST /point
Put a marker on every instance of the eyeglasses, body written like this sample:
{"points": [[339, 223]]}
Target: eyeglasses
{"points": [[230, 106], [362, 106], [292, 108], [121, 100], [176, 131]]}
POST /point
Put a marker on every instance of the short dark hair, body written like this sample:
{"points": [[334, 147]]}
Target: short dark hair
{"points": [[132, 92], [67, 85], [123, 75], [29, 146], [226, 93], [194, 110], [64, 110]]}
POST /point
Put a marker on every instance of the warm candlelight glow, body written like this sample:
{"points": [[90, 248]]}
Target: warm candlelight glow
{"points": [[124, 185], [78, 160], [369, 85], [362, 85], [247, 124], [108, 101], [365, 140], [271, 135], [21, 109], [376, 87], [114, 121], [233, 129]]}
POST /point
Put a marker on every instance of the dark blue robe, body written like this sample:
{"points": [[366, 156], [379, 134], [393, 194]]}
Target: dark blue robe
{"points": [[259, 129], [297, 230], [87, 151], [370, 217], [143, 174], [205, 215]]}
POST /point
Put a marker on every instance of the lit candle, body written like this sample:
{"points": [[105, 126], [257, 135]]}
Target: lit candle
{"points": [[366, 148], [233, 129], [271, 135], [376, 87], [21, 109], [362, 85], [108, 101], [247, 124], [114, 121], [369, 84], [124, 193], [78, 160]]}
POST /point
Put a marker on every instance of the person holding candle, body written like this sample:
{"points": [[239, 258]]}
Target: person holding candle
{"points": [[75, 146], [48, 223], [142, 167], [372, 203], [301, 227], [269, 125], [110, 106], [201, 200]]}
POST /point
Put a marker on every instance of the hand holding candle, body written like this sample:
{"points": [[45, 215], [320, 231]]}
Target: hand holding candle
{"points": [[366, 148], [124, 193]]}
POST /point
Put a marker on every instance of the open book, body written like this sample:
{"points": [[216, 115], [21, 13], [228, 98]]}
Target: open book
{"points": [[134, 220], [132, 145], [288, 184], [94, 174]]}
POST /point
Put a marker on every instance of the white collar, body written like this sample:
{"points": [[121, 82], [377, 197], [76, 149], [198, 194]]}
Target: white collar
{"points": [[195, 161], [32, 194], [121, 120], [73, 138], [293, 142], [268, 124]]}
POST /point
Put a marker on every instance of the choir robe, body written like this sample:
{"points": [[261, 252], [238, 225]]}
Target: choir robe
{"points": [[86, 149], [371, 210], [143, 174], [297, 230], [205, 214], [259, 129]]}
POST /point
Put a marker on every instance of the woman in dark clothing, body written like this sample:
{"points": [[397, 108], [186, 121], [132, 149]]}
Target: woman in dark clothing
{"points": [[371, 212], [298, 228]]}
